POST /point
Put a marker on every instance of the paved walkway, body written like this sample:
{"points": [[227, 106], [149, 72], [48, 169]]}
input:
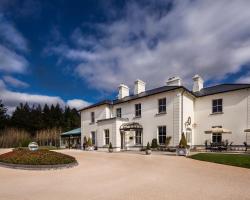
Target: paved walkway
{"points": [[118, 176]]}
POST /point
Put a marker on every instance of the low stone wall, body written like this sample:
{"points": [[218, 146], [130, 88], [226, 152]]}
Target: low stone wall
{"points": [[38, 167]]}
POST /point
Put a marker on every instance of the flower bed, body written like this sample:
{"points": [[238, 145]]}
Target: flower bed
{"points": [[35, 158]]}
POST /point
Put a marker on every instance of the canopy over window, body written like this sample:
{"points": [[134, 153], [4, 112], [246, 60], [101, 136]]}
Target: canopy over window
{"points": [[217, 130], [130, 126]]}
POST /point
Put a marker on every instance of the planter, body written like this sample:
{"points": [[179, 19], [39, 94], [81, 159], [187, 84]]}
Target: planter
{"points": [[148, 152], [111, 150], [91, 148], [182, 151]]}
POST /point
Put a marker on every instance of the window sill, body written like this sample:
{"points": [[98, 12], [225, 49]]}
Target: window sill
{"points": [[161, 113], [91, 123], [137, 117], [217, 113]]}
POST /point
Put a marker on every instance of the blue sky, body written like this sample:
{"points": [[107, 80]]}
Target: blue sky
{"points": [[78, 52]]}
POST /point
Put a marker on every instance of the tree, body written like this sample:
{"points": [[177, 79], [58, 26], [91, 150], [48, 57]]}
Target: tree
{"points": [[3, 115]]}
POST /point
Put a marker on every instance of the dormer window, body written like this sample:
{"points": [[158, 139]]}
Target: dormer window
{"points": [[217, 106], [92, 117]]}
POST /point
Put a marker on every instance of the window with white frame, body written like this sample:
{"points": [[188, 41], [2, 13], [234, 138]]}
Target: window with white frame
{"points": [[162, 132], [217, 106], [162, 105], [106, 135], [118, 112], [138, 137], [92, 117], [138, 110], [216, 137]]}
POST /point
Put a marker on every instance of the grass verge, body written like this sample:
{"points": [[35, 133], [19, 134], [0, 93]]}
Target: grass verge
{"points": [[239, 160]]}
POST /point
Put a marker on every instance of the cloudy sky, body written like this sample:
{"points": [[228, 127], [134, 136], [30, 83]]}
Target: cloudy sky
{"points": [[77, 52]]}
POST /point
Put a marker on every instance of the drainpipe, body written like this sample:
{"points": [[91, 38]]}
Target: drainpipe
{"points": [[182, 110]]}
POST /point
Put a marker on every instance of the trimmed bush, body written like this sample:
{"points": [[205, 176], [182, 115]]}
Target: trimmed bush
{"points": [[183, 141], [148, 146], [110, 146], [89, 142], [154, 144]]}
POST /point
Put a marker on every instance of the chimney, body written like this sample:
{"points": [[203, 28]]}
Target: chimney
{"points": [[139, 86], [123, 91], [198, 83], [174, 81]]}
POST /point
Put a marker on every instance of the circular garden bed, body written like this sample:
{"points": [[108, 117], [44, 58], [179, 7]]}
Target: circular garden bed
{"points": [[40, 159]]}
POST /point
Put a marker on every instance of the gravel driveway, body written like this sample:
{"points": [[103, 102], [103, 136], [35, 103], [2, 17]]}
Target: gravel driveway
{"points": [[117, 176]]}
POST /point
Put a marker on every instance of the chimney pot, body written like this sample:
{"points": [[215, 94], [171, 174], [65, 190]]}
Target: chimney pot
{"points": [[198, 83], [139, 86], [174, 81], [123, 91]]}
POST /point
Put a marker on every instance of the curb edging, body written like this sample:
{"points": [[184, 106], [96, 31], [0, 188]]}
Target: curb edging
{"points": [[38, 167]]}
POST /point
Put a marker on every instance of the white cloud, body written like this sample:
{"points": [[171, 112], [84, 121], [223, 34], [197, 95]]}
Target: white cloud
{"points": [[11, 41], [11, 99], [244, 78], [77, 103], [211, 38], [9, 33], [12, 62], [15, 82]]}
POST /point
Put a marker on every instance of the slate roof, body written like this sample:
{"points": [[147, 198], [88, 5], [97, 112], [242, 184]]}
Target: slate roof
{"points": [[132, 97], [220, 89], [204, 92]]}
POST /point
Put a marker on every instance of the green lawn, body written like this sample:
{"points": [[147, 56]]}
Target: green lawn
{"points": [[239, 160]]}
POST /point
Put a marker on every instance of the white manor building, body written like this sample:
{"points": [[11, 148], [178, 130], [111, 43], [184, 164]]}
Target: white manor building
{"points": [[215, 114]]}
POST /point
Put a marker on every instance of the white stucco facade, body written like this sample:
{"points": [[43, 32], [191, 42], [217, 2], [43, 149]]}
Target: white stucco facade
{"points": [[186, 111]]}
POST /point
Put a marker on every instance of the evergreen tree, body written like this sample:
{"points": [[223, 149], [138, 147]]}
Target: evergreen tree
{"points": [[3, 115], [37, 118]]}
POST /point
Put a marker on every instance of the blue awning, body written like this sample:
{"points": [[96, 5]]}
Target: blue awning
{"points": [[74, 132]]}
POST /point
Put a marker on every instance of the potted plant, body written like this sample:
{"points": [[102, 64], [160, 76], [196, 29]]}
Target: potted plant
{"points": [[89, 145], [148, 149], [110, 148], [183, 148]]}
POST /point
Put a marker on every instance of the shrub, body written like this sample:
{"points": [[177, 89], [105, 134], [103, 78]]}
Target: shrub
{"points": [[154, 144], [167, 142], [183, 141], [110, 146], [89, 142], [148, 146]]}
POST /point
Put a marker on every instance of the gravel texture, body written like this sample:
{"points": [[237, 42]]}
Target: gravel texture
{"points": [[117, 176]]}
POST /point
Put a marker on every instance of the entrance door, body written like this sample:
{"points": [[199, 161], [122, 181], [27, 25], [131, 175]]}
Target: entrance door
{"points": [[93, 138], [122, 140]]}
